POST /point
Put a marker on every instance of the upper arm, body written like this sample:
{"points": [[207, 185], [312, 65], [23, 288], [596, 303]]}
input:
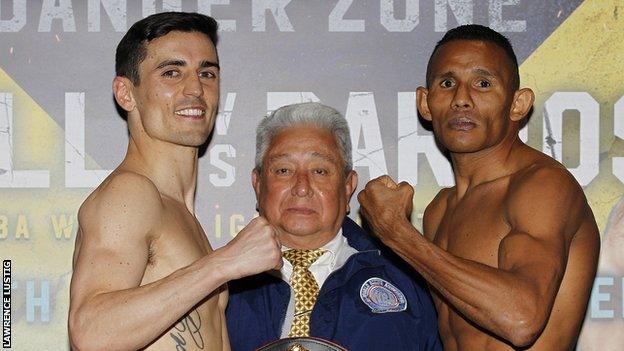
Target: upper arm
{"points": [[544, 210], [433, 213], [115, 225]]}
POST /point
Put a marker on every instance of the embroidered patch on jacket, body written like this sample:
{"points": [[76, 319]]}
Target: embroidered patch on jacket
{"points": [[382, 297]]}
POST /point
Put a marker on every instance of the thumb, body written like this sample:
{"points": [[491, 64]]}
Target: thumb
{"points": [[407, 191]]}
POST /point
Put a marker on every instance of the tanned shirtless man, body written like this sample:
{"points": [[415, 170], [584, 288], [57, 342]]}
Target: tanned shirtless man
{"points": [[510, 251], [145, 275]]}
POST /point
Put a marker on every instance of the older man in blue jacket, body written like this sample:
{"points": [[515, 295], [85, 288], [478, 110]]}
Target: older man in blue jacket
{"points": [[337, 283]]}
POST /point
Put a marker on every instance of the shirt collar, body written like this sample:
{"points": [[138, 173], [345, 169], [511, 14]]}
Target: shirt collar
{"points": [[334, 248]]}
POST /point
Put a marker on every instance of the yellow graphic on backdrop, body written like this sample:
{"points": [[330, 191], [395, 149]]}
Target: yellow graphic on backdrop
{"points": [[584, 54], [38, 226]]}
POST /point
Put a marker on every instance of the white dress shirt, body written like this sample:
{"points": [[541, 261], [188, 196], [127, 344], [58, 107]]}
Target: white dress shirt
{"points": [[338, 252]]}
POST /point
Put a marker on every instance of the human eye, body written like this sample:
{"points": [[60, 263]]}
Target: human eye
{"points": [[320, 171], [483, 83], [207, 74], [282, 171], [447, 83], [171, 73]]}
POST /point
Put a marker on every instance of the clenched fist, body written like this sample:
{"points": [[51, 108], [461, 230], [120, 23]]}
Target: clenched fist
{"points": [[386, 204], [254, 250]]}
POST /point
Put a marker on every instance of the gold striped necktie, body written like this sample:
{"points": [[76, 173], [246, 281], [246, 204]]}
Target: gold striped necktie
{"points": [[305, 287]]}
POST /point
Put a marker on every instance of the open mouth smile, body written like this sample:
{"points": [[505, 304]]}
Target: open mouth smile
{"points": [[191, 112]]}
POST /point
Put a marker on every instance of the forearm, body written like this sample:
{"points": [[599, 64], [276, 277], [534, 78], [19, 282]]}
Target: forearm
{"points": [[495, 299], [132, 318]]}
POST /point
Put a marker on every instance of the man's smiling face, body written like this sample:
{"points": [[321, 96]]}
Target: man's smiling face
{"points": [[178, 94]]}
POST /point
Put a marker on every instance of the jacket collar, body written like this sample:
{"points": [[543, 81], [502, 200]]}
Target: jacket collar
{"points": [[357, 237]]}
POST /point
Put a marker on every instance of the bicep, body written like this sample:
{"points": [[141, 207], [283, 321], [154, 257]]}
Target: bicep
{"points": [[112, 249], [108, 261], [544, 212], [537, 261]]}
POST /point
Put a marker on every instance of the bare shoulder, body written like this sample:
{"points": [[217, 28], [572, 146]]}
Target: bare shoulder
{"points": [[116, 224], [545, 192], [434, 212], [123, 199]]}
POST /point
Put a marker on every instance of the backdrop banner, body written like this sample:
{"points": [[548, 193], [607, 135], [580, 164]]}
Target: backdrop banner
{"points": [[60, 134]]}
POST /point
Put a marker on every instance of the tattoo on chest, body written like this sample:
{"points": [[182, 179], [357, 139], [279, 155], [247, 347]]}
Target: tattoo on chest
{"points": [[188, 331]]}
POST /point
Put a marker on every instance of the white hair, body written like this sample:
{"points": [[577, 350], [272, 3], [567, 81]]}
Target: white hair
{"points": [[304, 114]]}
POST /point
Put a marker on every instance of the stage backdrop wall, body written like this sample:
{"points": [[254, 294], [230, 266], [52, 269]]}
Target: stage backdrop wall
{"points": [[60, 134]]}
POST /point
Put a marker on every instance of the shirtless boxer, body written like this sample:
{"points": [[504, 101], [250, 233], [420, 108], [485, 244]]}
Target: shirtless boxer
{"points": [[145, 275], [510, 251]]}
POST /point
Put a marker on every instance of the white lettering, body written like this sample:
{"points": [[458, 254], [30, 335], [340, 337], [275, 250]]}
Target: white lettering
{"points": [[225, 115], [149, 6], [496, 17], [9, 177], [205, 7], [618, 130], [389, 21], [18, 21], [337, 23], [230, 172], [63, 12], [277, 9], [597, 297], [589, 111], [115, 9], [411, 143], [462, 10], [43, 301], [365, 134], [76, 176]]}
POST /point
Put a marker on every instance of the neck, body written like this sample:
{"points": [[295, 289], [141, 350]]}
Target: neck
{"points": [[474, 168], [172, 168], [305, 242]]}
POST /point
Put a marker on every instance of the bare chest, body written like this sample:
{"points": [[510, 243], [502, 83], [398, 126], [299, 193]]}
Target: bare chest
{"points": [[474, 226], [177, 242]]}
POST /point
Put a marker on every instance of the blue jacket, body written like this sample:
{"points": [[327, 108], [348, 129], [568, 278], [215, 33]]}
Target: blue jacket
{"points": [[257, 306]]}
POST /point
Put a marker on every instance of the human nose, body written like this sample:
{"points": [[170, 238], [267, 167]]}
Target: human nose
{"points": [[193, 86], [301, 188], [462, 98]]}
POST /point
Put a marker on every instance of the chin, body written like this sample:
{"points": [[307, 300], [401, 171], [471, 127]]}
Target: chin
{"points": [[457, 145], [463, 149], [301, 230], [194, 140]]}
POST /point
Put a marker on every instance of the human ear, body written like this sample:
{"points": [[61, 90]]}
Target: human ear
{"points": [[351, 183], [421, 103], [255, 182], [350, 186], [521, 105], [122, 90]]}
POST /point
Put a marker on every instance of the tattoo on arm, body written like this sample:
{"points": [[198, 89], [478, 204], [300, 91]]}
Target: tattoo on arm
{"points": [[189, 326]]}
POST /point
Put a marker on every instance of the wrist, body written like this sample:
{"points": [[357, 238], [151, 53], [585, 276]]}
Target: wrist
{"points": [[221, 266], [404, 234]]}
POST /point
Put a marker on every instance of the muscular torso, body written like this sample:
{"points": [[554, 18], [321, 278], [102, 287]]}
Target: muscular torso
{"points": [[178, 242], [473, 228]]}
